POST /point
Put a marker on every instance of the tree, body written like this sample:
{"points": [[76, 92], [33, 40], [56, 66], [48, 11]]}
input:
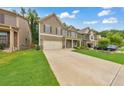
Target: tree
{"points": [[103, 43], [115, 39], [23, 11], [33, 18]]}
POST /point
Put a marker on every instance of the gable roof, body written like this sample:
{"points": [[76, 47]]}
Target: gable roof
{"points": [[86, 30], [52, 15], [4, 11], [72, 29]]}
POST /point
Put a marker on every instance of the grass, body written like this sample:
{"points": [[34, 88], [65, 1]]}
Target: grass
{"points": [[115, 57], [23, 68]]}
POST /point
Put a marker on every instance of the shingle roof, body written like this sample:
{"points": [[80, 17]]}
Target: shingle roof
{"points": [[86, 30]]}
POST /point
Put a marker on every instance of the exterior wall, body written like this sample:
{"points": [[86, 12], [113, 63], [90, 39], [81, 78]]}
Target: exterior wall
{"points": [[52, 36], [53, 22], [9, 20], [67, 38], [2, 18], [24, 33], [18, 27]]}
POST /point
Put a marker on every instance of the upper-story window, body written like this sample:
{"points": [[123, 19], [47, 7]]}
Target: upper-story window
{"points": [[58, 31], [91, 37], [73, 34], [65, 33], [69, 34], [1, 18], [47, 28]]}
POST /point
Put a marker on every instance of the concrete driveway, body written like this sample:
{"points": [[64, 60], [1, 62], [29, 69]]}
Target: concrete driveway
{"points": [[71, 68]]}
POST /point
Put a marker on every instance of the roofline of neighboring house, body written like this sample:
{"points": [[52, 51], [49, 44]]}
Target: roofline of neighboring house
{"points": [[52, 14], [12, 13], [86, 28]]}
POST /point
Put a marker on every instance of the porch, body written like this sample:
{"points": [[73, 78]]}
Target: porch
{"points": [[9, 38], [71, 43]]}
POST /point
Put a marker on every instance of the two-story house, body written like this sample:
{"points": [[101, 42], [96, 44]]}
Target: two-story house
{"points": [[14, 31], [53, 35], [89, 37]]}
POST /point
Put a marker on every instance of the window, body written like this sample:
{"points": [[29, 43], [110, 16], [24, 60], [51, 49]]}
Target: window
{"points": [[58, 31], [47, 29], [64, 33], [73, 34], [69, 34], [4, 39], [1, 18], [91, 37]]}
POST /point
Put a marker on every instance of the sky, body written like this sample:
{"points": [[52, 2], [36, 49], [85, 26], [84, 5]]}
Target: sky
{"points": [[98, 18]]}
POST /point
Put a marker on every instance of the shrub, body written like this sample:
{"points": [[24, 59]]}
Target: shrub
{"points": [[37, 47], [103, 43], [81, 47], [1, 46], [115, 39]]}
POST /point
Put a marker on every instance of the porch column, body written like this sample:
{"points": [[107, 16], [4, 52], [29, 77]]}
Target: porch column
{"points": [[65, 43], [72, 43], [80, 43], [18, 40], [11, 40], [39, 36]]}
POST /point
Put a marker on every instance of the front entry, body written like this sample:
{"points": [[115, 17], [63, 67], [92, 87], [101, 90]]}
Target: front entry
{"points": [[90, 45], [68, 43]]}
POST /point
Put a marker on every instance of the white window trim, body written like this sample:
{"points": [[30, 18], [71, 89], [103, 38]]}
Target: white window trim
{"points": [[91, 38]]}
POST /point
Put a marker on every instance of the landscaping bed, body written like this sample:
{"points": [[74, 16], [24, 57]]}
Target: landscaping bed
{"points": [[28, 67]]}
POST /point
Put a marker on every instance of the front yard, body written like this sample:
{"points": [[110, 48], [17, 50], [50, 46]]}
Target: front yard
{"points": [[115, 57], [28, 67]]}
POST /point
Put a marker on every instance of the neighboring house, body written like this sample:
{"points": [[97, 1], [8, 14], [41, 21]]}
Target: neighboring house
{"points": [[14, 31], [53, 35], [89, 37]]}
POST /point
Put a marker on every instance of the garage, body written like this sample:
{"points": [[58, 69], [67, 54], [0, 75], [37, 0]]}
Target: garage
{"points": [[52, 44]]}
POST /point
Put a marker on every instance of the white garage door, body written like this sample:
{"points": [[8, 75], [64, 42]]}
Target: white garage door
{"points": [[52, 44]]}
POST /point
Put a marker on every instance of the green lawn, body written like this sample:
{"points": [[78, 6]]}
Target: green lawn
{"points": [[115, 57], [28, 67]]}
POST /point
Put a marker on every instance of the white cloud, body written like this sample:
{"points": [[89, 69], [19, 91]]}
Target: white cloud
{"points": [[66, 15], [106, 7], [90, 22], [75, 11], [69, 15], [110, 20], [104, 13]]}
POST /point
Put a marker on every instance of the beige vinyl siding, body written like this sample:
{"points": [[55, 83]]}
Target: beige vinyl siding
{"points": [[58, 31], [10, 20]]}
